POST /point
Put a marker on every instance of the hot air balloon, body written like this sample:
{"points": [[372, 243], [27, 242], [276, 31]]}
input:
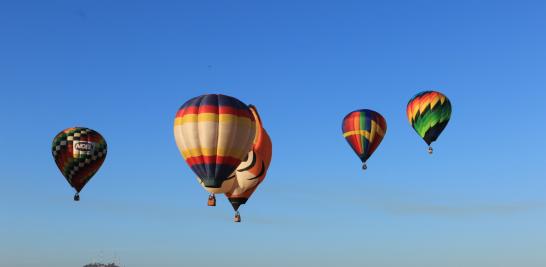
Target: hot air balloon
{"points": [[364, 129], [79, 152], [214, 133], [251, 172], [428, 113]]}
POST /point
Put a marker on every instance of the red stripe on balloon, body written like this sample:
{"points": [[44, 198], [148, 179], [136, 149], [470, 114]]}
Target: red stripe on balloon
{"points": [[213, 109], [213, 160]]}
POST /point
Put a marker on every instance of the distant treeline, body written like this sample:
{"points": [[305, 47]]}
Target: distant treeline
{"points": [[101, 265]]}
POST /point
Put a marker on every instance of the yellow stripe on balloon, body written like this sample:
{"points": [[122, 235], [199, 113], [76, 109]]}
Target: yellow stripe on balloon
{"points": [[375, 128], [434, 101], [364, 133], [414, 110], [211, 117], [429, 101], [423, 105], [197, 152]]}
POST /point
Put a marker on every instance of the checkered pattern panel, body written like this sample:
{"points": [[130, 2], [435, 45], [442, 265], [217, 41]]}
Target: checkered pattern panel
{"points": [[78, 167]]}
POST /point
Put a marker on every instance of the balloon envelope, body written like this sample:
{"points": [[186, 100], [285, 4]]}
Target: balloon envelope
{"points": [[428, 113], [364, 129], [213, 133], [79, 152], [251, 172]]}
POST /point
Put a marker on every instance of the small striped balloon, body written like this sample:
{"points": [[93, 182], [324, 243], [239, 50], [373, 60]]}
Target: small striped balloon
{"points": [[364, 129]]}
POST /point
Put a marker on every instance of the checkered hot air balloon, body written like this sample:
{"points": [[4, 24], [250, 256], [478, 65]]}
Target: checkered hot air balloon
{"points": [[214, 134], [428, 113], [252, 171], [78, 152], [364, 129]]}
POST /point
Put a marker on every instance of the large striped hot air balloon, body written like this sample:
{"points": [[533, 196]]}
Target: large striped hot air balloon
{"points": [[214, 133], [364, 129], [428, 113], [251, 172], [79, 153]]}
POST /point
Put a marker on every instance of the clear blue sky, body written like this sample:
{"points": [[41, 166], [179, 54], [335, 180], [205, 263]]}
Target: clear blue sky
{"points": [[124, 67]]}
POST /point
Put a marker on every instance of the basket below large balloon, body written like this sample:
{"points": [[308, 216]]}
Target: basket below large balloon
{"points": [[428, 113], [364, 130], [225, 187]]}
